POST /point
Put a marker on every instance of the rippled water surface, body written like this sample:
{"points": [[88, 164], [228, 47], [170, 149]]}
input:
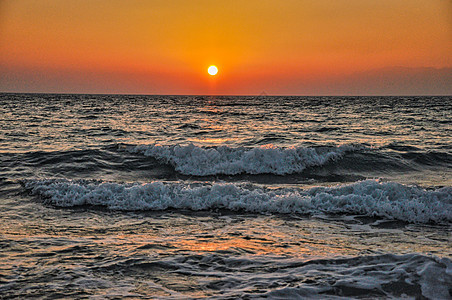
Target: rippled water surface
{"points": [[225, 197]]}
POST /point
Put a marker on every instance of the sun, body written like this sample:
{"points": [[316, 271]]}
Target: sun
{"points": [[212, 70]]}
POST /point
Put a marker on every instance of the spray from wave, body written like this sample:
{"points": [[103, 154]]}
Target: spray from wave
{"points": [[370, 198], [200, 161]]}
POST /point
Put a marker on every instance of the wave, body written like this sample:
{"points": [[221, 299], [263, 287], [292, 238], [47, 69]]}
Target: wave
{"points": [[76, 163], [269, 159], [370, 198], [170, 162], [391, 276], [175, 274], [379, 276]]}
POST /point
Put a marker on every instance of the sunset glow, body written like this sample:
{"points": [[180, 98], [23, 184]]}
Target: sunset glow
{"points": [[294, 47]]}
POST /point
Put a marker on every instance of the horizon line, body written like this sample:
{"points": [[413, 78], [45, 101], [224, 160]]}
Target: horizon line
{"points": [[227, 95]]}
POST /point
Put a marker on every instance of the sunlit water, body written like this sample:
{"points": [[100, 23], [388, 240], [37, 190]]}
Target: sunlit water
{"points": [[225, 197]]}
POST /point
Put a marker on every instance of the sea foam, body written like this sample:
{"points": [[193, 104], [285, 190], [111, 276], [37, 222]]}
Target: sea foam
{"points": [[269, 159], [369, 277], [371, 198]]}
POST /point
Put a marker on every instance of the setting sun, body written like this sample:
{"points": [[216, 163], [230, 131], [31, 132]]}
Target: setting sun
{"points": [[212, 70]]}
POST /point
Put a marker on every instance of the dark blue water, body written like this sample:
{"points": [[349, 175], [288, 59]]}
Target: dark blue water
{"points": [[224, 197]]}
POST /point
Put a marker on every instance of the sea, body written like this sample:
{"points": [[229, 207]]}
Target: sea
{"points": [[225, 197]]}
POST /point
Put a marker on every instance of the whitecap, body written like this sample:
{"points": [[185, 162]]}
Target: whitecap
{"points": [[388, 200], [269, 159]]}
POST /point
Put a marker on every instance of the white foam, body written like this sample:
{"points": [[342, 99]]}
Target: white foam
{"points": [[381, 276], [435, 279], [269, 159], [371, 198]]}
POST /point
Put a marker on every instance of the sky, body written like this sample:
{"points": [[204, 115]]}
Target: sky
{"points": [[277, 47]]}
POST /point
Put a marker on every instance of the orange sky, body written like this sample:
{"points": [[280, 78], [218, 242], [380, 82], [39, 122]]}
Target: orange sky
{"points": [[280, 47]]}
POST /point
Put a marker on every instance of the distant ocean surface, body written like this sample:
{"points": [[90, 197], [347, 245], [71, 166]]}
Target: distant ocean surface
{"points": [[176, 197]]}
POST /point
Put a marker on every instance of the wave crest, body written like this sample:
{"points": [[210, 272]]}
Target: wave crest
{"points": [[269, 159], [371, 198]]}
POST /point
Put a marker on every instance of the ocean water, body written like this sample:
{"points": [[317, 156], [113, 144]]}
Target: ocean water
{"points": [[176, 197]]}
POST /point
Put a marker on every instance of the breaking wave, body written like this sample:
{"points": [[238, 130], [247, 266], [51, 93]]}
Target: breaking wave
{"points": [[200, 161], [370, 198]]}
